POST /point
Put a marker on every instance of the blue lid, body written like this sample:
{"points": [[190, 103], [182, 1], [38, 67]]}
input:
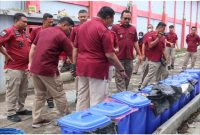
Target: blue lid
{"points": [[147, 89], [11, 131], [111, 109], [193, 70], [84, 121], [190, 75], [132, 99]]}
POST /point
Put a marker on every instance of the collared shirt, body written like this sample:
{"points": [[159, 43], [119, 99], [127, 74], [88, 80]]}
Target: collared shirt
{"points": [[127, 36], [155, 53], [93, 41], [145, 40], [50, 42], [17, 44], [115, 41], [171, 37], [192, 41], [74, 32], [35, 32]]}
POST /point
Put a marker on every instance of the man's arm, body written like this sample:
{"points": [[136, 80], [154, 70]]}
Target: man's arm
{"points": [[74, 55], [31, 53], [154, 43], [7, 56], [112, 58]]}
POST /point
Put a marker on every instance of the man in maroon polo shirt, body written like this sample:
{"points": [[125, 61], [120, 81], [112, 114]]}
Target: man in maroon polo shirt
{"points": [[171, 43], [93, 53], [15, 45], [128, 40], [82, 16], [193, 41], [140, 43], [43, 64], [156, 45], [145, 50], [47, 22]]}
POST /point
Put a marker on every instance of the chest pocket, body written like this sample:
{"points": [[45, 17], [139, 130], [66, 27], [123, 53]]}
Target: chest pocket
{"points": [[131, 35], [121, 35]]}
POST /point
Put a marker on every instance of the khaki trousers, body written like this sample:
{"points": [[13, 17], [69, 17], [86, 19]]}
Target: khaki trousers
{"points": [[91, 91], [122, 84], [144, 71], [193, 56], [162, 73], [153, 68], [53, 85], [16, 90], [171, 55]]}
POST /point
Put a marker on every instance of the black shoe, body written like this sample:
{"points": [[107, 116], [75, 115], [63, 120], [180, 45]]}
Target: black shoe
{"points": [[25, 112], [172, 66], [14, 118], [50, 103]]}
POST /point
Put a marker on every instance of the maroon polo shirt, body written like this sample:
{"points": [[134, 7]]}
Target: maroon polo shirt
{"points": [[192, 41], [17, 44], [127, 36], [114, 39], [93, 40], [50, 42], [145, 40], [73, 32], [171, 37], [155, 53], [35, 32]]}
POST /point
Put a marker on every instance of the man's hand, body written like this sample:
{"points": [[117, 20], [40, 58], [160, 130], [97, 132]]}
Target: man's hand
{"points": [[172, 45], [73, 70], [8, 58], [123, 74]]}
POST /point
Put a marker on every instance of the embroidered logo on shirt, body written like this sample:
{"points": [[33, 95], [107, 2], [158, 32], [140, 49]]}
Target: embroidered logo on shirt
{"points": [[3, 33]]}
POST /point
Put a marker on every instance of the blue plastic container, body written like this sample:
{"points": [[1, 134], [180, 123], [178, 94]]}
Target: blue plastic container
{"points": [[138, 118], [191, 76], [11, 131], [152, 121], [196, 72], [114, 110], [165, 116], [81, 122]]}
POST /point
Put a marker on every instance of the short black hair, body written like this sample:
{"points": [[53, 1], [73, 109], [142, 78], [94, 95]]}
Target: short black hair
{"points": [[18, 16], [141, 33], [47, 15], [171, 26], [125, 11], [161, 24], [193, 27], [66, 19], [106, 11], [82, 11]]}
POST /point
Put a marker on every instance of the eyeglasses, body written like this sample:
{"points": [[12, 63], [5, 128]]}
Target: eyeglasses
{"points": [[125, 18]]}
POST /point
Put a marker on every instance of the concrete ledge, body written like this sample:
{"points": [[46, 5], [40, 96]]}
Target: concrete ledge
{"points": [[174, 122]]}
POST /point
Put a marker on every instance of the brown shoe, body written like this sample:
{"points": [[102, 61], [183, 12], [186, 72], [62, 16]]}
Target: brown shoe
{"points": [[41, 123]]}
